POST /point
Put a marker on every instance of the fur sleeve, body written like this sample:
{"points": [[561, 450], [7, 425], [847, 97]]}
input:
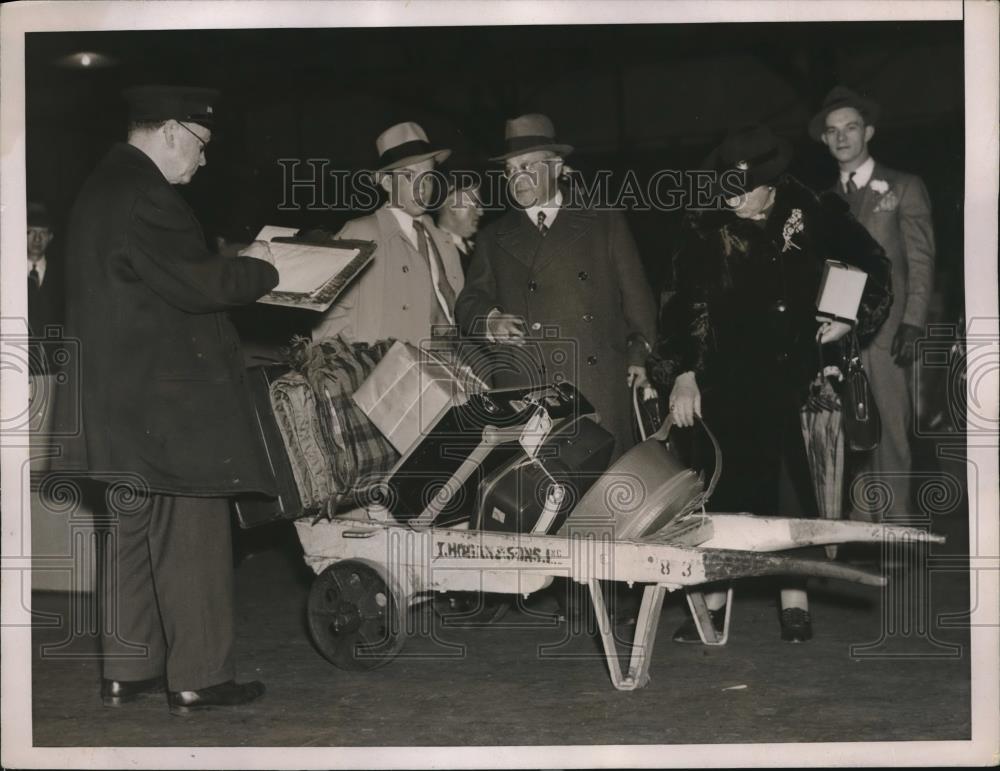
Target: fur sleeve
{"points": [[684, 339]]}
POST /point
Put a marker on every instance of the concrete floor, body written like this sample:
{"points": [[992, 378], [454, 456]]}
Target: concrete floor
{"points": [[519, 683]]}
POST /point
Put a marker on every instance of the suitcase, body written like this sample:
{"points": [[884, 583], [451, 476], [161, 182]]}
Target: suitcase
{"points": [[438, 481], [513, 498], [655, 485], [259, 510]]}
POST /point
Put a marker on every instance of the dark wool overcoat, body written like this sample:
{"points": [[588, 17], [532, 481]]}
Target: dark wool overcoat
{"points": [[585, 299], [742, 318], [161, 374]]}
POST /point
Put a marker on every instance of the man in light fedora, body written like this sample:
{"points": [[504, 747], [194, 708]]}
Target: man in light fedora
{"points": [[895, 208], [552, 270], [409, 290]]}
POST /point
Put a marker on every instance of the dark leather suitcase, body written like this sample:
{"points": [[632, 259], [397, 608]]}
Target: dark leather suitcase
{"points": [[466, 445], [259, 510], [513, 498]]}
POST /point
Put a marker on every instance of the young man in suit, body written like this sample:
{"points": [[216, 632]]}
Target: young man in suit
{"points": [[166, 415], [408, 291], [895, 209], [550, 265]]}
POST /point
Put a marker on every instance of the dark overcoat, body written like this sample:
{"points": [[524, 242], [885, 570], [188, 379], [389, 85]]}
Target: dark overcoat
{"points": [[584, 297], [742, 318], [45, 312], [161, 374]]}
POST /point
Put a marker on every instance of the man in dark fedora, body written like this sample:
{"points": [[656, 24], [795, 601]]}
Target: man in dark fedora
{"points": [[409, 290], [555, 271], [895, 209], [167, 419]]}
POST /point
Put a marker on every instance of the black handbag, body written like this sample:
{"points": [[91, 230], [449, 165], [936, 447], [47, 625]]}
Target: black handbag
{"points": [[862, 423]]}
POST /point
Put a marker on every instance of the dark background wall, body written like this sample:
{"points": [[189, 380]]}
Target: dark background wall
{"points": [[628, 97]]}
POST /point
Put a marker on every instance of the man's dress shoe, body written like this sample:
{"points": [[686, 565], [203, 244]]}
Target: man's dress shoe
{"points": [[114, 693], [688, 631], [226, 694]]}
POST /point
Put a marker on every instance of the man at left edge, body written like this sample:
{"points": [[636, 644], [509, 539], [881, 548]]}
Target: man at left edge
{"points": [[166, 416]]}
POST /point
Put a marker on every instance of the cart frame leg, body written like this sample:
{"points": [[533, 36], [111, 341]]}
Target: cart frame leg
{"points": [[703, 621], [642, 643]]}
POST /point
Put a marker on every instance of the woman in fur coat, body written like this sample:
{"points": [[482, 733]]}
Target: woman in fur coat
{"points": [[739, 338]]}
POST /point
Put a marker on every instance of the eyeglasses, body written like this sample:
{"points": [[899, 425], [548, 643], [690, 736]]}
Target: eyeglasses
{"points": [[201, 141], [528, 167]]}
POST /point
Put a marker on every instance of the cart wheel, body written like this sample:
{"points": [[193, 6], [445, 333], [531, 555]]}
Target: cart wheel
{"points": [[468, 610], [355, 618]]}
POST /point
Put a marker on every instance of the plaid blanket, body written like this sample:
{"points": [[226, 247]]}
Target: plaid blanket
{"points": [[335, 451]]}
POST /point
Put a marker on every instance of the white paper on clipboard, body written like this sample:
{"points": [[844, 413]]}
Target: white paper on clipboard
{"points": [[311, 275]]}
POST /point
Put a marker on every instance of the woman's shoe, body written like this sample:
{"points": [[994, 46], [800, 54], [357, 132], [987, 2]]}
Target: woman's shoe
{"points": [[796, 625], [688, 631]]}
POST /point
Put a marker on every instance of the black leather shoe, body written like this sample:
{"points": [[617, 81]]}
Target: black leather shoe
{"points": [[688, 631], [796, 625], [228, 694], [114, 693]]}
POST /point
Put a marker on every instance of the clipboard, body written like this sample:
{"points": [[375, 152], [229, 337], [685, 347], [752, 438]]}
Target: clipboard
{"points": [[313, 272]]}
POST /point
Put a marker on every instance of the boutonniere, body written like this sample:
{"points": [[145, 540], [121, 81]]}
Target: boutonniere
{"points": [[887, 200], [792, 226]]}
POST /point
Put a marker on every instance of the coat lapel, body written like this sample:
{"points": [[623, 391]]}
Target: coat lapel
{"points": [[517, 236], [388, 224], [866, 201], [569, 226]]}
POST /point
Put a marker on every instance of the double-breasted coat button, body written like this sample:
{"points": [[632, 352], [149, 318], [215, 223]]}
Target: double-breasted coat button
{"points": [[591, 360], [406, 307], [536, 326], [406, 269], [583, 275], [588, 317], [532, 286]]}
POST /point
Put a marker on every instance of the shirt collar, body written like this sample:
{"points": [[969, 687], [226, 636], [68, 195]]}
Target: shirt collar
{"points": [[862, 174], [551, 209]]}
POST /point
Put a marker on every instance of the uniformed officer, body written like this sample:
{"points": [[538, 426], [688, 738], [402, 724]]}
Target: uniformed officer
{"points": [[167, 420], [559, 287]]}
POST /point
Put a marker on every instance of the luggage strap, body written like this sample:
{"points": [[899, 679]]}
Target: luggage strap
{"points": [[663, 435]]}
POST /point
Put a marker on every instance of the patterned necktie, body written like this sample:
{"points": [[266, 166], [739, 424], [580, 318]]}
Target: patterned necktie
{"points": [[447, 294], [851, 186], [542, 227], [34, 280]]}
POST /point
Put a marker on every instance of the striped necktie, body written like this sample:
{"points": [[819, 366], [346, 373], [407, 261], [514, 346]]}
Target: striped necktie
{"points": [[445, 293]]}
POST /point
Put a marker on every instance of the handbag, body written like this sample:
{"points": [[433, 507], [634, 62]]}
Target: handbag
{"points": [[862, 422]]}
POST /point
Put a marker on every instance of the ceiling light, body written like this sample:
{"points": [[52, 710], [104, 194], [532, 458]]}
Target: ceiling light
{"points": [[86, 60]]}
